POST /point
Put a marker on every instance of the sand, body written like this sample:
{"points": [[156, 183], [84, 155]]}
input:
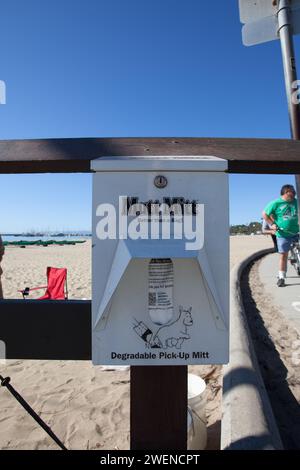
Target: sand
{"points": [[27, 267], [87, 407]]}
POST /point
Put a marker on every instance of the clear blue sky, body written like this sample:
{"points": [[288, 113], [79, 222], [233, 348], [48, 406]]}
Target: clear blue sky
{"points": [[113, 68]]}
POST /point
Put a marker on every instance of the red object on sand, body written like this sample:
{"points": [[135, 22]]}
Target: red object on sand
{"points": [[56, 288], [56, 278]]}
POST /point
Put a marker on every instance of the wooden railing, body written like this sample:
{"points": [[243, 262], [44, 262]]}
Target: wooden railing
{"points": [[62, 329]]}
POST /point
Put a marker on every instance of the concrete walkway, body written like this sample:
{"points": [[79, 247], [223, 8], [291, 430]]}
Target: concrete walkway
{"points": [[287, 298]]}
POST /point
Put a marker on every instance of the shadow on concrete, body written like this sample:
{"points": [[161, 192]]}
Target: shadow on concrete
{"points": [[239, 376], [250, 443]]}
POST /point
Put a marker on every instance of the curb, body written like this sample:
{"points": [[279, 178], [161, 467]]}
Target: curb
{"points": [[248, 422]]}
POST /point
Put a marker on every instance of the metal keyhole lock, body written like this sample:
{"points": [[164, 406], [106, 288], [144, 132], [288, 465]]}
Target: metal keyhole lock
{"points": [[160, 181]]}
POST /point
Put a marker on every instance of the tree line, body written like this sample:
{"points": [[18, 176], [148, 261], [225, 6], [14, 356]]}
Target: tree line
{"points": [[243, 229]]}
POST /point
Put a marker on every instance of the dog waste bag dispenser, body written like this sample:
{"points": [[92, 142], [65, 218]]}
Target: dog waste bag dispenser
{"points": [[160, 261]]}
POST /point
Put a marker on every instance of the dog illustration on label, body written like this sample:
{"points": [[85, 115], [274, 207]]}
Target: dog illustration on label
{"points": [[170, 335]]}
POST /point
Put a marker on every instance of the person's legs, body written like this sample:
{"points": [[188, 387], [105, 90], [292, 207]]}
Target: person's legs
{"points": [[283, 262]]}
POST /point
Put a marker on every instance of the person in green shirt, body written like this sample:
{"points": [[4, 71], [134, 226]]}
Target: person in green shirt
{"points": [[282, 216]]}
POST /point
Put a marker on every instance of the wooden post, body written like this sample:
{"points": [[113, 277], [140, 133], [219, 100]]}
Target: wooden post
{"points": [[158, 408]]}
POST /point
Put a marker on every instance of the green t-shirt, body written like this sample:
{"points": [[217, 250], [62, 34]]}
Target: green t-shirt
{"points": [[285, 214]]}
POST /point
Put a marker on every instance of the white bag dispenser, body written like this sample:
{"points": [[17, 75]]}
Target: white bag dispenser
{"points": [[160, 261]]}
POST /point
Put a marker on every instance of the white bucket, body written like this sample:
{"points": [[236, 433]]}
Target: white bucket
{"points": [[197, 432]]}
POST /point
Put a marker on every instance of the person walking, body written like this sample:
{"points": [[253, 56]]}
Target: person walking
{"points": [[282, 217]]}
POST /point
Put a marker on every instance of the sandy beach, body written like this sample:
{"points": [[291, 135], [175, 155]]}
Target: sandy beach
{"points": [[27, 267], [86, 406]]}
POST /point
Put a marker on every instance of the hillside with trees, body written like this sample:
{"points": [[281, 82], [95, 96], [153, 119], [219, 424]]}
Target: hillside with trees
{"points": [[243, 229]]}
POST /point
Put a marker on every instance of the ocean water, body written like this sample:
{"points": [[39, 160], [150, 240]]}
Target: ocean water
{"points": [[12, 238]]}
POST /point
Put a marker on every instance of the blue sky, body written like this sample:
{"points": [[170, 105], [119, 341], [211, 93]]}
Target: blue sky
{"points": [[114, 68]]}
